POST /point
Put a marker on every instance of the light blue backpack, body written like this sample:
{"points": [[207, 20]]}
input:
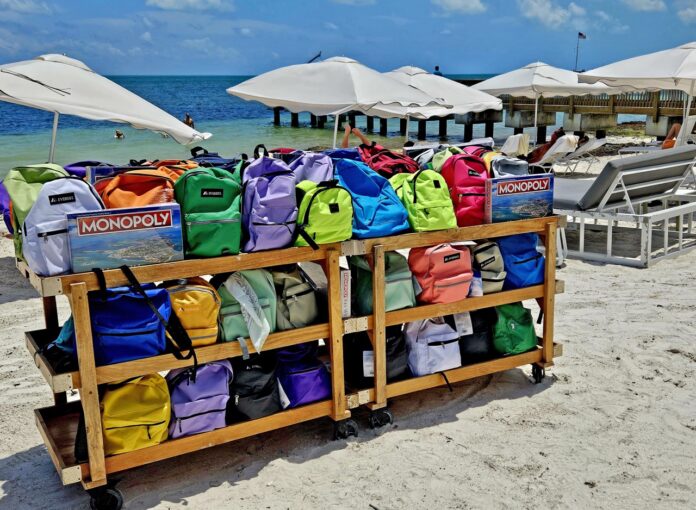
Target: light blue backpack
{"points": [[377, 211]]}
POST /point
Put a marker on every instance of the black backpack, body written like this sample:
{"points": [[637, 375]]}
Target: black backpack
{"points": [[254, 388], [355, 345], [478, 346]]}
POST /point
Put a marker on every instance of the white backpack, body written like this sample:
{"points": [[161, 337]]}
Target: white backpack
{"points": [[45, 233], [433, 346]]}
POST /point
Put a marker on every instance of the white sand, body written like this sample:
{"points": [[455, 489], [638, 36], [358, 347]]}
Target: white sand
{"points": [[612, 426]]}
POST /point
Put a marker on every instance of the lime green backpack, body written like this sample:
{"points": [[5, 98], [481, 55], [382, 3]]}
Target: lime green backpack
{"points": [[23, 184], [514, 331], [210, 200], [427, 200], [399, 292], [439, 159], [325, 213]]}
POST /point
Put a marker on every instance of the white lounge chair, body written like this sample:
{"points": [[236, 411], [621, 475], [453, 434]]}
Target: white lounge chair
{"points": [[656, 146], [516, 145], [583, 154], [563, 146]]}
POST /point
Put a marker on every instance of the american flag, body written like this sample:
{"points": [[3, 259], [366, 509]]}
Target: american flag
{"points": [[581, 35]]}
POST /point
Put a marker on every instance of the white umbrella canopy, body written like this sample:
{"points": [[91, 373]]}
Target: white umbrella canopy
{"points": [[63, 85], [462, 98]]}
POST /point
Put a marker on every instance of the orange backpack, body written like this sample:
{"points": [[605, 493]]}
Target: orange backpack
{"points": [[137, 188]]}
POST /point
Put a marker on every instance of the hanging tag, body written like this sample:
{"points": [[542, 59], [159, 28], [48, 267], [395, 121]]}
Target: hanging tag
{"points": [[463, 323], [284, 400], [368, 364]]}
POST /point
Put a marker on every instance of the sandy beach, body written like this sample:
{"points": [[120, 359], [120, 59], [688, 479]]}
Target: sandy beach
{"points": [[613, 425]]}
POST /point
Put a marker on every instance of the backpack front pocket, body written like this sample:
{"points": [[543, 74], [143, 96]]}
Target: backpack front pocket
{"points": [[492, 281], [300, 302], [524, 270], [469, 206], [305, 384], [198, 416], [443, 355], [454, 288], [399, 291], [115, 345], [211, 234], [433, 215], [233, 324], [46, 248]]}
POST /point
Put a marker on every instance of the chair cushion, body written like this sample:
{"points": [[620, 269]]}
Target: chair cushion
{"points": [[568, 192]]}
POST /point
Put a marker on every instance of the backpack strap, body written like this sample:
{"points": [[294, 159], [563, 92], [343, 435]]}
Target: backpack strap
{"points": [[257, 152], [196, 151]]}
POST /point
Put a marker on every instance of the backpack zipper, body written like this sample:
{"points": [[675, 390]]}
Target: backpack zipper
{"points": [[303, 293], [537, 256], [51, 233], [205, 222], [181, 418], [128, 334], [321, 190], [452, 284], [442, 343], [305, 370], [148, 425]]}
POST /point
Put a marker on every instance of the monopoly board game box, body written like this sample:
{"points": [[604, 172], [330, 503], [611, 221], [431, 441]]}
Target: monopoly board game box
{"points": [[519, 197], [133, 236]]}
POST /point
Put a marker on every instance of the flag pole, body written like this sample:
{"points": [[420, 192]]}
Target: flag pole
{"points": [[577, 52]]}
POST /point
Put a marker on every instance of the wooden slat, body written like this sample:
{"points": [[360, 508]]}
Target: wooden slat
{"points": [[378, 333], [68, 474], [549, 301], [34, 341], [338, 387]]}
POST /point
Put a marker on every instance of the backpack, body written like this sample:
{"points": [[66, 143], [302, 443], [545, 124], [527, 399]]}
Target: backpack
{"points": [[523, 263], [269, 207], [443, 272], [254, 389], [302, 377], [426, 199], [503, 166], [489, 261], [79, 169], [312, 166], [203, 158], [232, 323], [398, 292], [377, 211], [358, 355], [5, 208], [466, 179], [353, 154], [440, 157], [136, 188], [433, 346], [475, 330], [210, 202], [23, 184], [45, 244], [135, 414], [297, 300], [325, 214], [197, 305], [476, 150], [385, 162], [199, 398], [514, 330]]}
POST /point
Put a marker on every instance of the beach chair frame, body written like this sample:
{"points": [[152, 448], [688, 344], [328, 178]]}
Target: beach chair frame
{"points": [[583, 154]]}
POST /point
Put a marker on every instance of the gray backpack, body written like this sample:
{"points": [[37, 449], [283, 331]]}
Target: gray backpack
{"points": [[297, 300], [489, 261]]}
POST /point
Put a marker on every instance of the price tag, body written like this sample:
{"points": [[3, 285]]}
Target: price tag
{"points": [[368, 364], [463, 323]]}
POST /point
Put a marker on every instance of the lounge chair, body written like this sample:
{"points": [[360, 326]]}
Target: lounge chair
{"points": [[625, 194], [516, 145], [563, 146], [656, 146], [583, 154]]}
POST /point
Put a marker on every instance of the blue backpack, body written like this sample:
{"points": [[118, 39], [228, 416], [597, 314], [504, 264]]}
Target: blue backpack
{"points": [[344, 154], [213, 159], [377, 211], [523, 263]]}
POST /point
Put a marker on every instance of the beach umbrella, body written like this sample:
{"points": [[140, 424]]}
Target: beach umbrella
{"points": [[538, 80], [331, 87], [63, 85], [670, 69]]}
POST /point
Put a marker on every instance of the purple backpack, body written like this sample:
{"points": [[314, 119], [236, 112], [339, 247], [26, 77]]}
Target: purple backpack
{"points": [[200, 404], [80, 168], [5, 207], [303, 378], [312, 166], [269, 207]]}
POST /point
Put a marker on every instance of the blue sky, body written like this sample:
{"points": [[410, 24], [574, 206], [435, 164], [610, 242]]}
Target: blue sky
{"points": [[251, 36]]}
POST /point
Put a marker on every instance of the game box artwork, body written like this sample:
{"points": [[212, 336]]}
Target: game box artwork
{"points": [[519, 197]]}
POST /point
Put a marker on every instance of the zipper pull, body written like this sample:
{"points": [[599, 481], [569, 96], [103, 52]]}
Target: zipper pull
{"points": [[178, 422], [147, 427], [236, 400]]}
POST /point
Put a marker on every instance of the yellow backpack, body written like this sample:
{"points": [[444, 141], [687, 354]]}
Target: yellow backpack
{"points": [[197, 305], [488, 158], [135, 414]]}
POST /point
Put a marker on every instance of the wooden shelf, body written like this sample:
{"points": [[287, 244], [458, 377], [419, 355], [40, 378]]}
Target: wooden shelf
{"points": [[58, 427]]}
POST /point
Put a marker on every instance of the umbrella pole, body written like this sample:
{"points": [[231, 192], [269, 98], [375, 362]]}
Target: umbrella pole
{"points": [[408, 122], [52, 152], [536, 115], [683, 135], [335, 130]]}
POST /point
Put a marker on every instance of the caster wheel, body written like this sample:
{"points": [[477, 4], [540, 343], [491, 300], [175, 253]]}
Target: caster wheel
{"points": [[380, 418], [538, 374], [106, 499], [345, 428]]}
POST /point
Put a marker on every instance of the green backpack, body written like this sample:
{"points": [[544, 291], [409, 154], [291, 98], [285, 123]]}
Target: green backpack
{"points": [[232, 324], [439, 158], [297, 300], [23, 184], [210, 200], [427, 200], [514, 333], [399, 292], [325, 213]]}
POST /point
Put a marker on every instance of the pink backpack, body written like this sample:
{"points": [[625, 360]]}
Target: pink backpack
{"points": [[466, 179], [476, 150], [443, 272], [385, 162]]}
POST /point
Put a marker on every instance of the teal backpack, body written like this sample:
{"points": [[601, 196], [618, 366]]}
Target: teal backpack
{"points": [[513, 332], [210, 200], [399, 292], [427, 200], [232, 324]]}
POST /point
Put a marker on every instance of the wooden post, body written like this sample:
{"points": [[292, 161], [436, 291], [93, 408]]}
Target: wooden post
{"points": [[402, 126], [571, 106], [379, 335], [313, 120], [489, 129], [335, 340], [383, 127], [89, 394], [370, 124], [442, 127], [294, 120], [612, 105], [351, 119], [50, 313], [421, 129], [655, 105], [518, 131], [601, 133], [468, 132], [549, 300], [541, 135], [321, 121], [276, 116]]}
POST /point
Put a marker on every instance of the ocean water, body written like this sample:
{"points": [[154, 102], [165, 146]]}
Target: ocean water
{"points": [[237, 126]]}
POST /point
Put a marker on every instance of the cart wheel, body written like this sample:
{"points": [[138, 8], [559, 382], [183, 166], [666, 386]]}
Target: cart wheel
{"points": [[107, 498], [380, 418], [345, 428], [538, 374]]}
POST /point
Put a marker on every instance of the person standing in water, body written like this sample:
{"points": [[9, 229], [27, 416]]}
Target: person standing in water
{"points": [[189, 121], [437, 71]]}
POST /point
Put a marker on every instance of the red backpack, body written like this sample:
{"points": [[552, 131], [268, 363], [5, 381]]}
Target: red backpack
{"points": [[476, 150], [385, 162], [466, 175]]}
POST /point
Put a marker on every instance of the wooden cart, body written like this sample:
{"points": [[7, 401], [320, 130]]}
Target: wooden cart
{"points": [[58, 424]]}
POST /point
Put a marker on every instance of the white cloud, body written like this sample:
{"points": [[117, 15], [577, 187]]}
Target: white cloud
{"points": [[576, 10], [545, 11], [206, 46], [200, 5], [688, 14], [26, 6], [330, 26], [245, 31], [556, 16], [646, 5], [146, 36], [354, 2], [461, 6]]}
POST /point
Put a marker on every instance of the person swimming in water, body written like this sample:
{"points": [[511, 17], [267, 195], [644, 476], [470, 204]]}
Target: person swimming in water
{"points": [[188, 120], [119, 135]]}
